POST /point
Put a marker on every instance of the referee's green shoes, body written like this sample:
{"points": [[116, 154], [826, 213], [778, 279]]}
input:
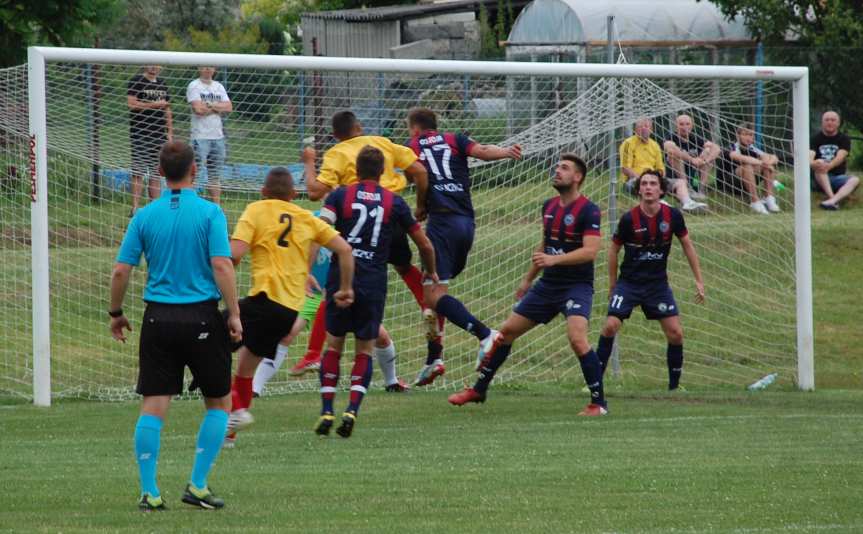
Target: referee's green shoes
{"points": [[148, 503], [204, 498]]}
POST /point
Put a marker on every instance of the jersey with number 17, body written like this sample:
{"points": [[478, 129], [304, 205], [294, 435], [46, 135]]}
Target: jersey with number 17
{"points": [[364, 214], [445, 155]]}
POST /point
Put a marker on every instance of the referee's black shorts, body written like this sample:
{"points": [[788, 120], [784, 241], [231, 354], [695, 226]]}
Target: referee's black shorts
{"points": [[174, 336], [265, 323]]}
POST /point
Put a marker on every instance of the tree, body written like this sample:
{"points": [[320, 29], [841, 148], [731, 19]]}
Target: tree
{"points": [[825, 35], [50, 22]]}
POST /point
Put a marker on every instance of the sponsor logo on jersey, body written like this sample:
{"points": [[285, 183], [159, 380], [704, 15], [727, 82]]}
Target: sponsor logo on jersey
{"points": [[365, 195], [363, 254], [639, 230], [449, 187], [554, 251], [651, 256]]}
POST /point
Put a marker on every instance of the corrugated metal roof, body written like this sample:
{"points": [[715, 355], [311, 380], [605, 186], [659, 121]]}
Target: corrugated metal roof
{"points": [[575, 21], [398, 12]]}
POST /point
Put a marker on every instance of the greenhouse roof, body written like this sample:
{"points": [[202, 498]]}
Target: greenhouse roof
{"points": [[551, 22]]}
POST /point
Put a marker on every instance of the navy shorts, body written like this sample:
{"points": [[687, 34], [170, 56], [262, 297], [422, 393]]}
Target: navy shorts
{"points": [[363, 317], [452, 237], [400, 251], [544, 301], [655, 298]]}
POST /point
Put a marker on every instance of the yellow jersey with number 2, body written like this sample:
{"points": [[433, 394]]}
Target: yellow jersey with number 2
{"points": [[279, 234]]}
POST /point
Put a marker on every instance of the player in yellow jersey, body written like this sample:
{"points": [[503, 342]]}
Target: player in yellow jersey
{"points": [[339, 168], [278, 234]]}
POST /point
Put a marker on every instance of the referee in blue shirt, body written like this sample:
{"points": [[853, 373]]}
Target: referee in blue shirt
{"points": [[185, 241]]}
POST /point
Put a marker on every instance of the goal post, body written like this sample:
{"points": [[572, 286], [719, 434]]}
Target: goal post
{"points": [[372, 70]]}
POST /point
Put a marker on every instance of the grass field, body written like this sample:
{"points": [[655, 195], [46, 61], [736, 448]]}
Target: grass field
{"points": [[713, 463]]}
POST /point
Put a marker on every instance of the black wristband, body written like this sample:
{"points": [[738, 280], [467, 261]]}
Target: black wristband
{"points": [[116, 313]]}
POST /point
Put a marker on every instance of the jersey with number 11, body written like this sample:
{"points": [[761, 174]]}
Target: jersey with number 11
{"points": [[364, 214]]}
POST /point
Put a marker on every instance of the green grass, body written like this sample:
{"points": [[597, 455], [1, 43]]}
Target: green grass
{"points": [[713, 463]]}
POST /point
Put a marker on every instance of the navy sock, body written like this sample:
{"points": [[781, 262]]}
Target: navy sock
{"points": [[603, 350], [435, 351], [456, 313], [591, 368], [674, 354], [490, 365]]}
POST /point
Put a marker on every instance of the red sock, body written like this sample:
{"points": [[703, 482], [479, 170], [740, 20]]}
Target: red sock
{"points": [[361, 377], [318, 334], [241, 393], [414, 280], [329, 379]]}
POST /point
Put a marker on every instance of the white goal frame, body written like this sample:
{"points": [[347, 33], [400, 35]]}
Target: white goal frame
{"points": [[38, 57]]}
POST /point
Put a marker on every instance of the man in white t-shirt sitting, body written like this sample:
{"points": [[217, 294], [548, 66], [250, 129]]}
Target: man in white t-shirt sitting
{"points": [[209, 102]]}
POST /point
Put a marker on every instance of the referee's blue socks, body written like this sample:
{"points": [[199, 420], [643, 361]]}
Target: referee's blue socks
{"points": [[147, 441], [210, 438], [456, 313]]}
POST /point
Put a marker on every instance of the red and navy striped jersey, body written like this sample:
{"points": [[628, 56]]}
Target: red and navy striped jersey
{"points": [[564, 228], [647, 242], [445, 158], [365, 214]]}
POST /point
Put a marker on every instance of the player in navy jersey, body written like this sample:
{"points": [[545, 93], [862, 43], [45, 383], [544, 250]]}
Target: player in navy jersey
{"points": [[645, 233], [570, 242], [450, 227], [366, 215]]}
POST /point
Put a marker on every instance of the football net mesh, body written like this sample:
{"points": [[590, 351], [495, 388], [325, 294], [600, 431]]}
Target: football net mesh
{"points": [[744, 330]]}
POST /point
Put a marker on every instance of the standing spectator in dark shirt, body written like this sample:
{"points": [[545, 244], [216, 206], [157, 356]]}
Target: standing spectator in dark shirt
{"points": [[151, 125], [828, 154]]}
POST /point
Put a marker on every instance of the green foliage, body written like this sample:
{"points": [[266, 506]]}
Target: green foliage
{"points": [[50, 22], [487, 40], [828, 38], [240, 38]]}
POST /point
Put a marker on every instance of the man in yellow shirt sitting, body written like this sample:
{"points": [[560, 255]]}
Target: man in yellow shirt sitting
{"points": [[639, 153], [339, 168]]}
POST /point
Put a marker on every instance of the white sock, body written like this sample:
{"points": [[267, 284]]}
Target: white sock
{"points": [[268, 368], [387, 362]]}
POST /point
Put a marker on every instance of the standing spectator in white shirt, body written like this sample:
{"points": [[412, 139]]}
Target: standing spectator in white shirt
{"points": [[209, 102]]}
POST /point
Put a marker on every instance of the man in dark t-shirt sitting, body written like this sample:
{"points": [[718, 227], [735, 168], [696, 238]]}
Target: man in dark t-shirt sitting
{"points": [[150, 126], [689, 156], [828, 153]]}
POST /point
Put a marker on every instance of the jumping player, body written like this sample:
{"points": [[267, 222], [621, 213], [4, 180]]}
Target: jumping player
{"points": [[365, 214], [450, 227], [570, 242], [645, 232]]}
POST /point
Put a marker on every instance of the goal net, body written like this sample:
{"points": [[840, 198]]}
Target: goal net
{"points": [[748, 327]]}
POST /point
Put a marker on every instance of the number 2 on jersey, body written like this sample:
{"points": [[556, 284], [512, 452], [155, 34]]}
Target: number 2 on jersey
{"points": [[282, 242], [377, 213]]}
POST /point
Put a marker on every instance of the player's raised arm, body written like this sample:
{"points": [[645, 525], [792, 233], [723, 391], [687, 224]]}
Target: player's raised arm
{"points": [[494, 152], [692, 258], [426, 250], [315, 188]]}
